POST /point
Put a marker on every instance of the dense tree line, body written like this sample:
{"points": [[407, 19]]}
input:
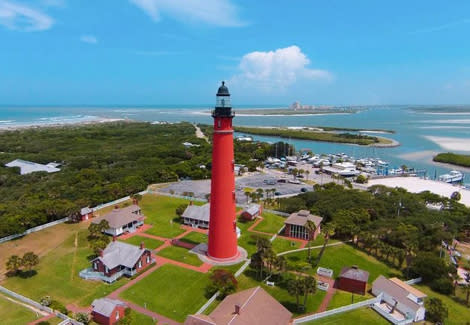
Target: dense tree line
{"points": [[100, 163], [453, 158]]}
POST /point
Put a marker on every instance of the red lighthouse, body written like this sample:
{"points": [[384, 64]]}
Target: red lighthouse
{"points": [[222, 225]]}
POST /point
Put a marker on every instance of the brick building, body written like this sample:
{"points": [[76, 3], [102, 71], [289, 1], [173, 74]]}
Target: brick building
{"points": [[353, 279], [107, 311], [252, 212], [295, 225]]}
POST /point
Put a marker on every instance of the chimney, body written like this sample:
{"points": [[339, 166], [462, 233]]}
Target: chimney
{"points": [[142, 245], [116, 207], [237, 309], [114, 238], [101, 253]]}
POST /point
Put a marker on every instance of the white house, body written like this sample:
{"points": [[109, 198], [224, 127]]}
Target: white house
{"points": [[400, 300], [123, 220]]}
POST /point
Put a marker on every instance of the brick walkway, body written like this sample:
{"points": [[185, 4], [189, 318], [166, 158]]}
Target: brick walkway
{"points": [[162, 320], [329, 294], [204, 268]]}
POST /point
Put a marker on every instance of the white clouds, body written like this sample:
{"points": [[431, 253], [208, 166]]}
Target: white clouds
{"points": [[212, 12], [276, 70], [90, 39], [20, 17]]}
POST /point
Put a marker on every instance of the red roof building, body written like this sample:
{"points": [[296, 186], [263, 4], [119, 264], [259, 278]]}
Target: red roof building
{"points": [[252, 212], [248, 307], [353, 279]]}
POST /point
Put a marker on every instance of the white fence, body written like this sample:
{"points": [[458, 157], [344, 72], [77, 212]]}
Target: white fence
{"points": [[335, 311], [34, 229], [124, 199], [37, 305]]}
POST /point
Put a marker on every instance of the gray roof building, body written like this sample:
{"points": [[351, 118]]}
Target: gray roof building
{"points": [[105, 306], [28, 167], [85, 211], [196, 212], [300, 218], [354, 273], [121, 217], [119, 253], [400, 291]]}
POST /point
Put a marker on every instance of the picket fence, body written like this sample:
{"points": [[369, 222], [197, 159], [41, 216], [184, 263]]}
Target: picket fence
{"points": [[308, 318], [34, 229]]}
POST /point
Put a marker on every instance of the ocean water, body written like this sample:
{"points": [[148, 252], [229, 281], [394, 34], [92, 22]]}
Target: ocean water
{"points": [[420, 132]]}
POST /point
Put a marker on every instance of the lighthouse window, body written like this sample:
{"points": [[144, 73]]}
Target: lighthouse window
{"points": [[219, 124], [233, 196]]}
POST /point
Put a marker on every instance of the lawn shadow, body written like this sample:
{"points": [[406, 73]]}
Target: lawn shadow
{"points": [[26, 274]]}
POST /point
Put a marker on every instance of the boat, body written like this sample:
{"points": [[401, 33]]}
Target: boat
{"points": [[453, 176]]}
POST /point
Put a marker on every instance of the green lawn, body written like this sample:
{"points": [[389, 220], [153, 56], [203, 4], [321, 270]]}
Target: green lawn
{"points": [[337, 257], [12, 313], [149, 243], [171, 291], [180, 254], [160, 213], [344, 298], [248, 241], [141, 319], [57, 275], [458, 313], [279, 292], [271, 223], [362, 316], [282, 244], [194, 238]]}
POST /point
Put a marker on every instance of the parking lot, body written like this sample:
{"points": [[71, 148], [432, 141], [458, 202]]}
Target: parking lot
{"points": [[254, 181]]}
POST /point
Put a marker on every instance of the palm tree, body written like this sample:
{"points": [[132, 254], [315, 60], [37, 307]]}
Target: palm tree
{"points": [[328, 231], [310, 287], [311, 227], [248, 195], [295, 288], [294, 172]]}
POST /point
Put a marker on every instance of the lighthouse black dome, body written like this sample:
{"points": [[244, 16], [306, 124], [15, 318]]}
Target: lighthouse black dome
{"points": [[223, 90]]}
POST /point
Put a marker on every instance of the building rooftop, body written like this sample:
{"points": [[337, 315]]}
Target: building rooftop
{"points": [[252, 209], [105, 306], [197, 212], [248, 307], [86, 210], [407, 287], [28, 167], [119, 253], [354, 273], [120, 217], [398, 292], [300, 218]]}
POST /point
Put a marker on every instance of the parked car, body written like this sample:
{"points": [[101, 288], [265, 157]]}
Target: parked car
{"points": [[303, 189]]}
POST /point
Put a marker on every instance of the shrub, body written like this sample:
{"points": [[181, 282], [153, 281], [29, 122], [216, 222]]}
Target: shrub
{"points": [[59, 307], [436, 311], [443, 285]]}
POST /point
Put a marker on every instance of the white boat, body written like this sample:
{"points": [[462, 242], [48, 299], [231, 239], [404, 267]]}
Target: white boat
{"points": [[454, 176]]}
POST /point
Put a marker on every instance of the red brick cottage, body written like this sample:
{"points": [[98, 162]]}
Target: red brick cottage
{"points": [[116, 260], [295, 225], [107, 311], [252, 212], [86, 214], [353, 279]]}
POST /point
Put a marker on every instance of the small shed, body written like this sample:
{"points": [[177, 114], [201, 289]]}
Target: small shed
{"points": [[353, 279], [251, 212], [108, 311], [86, 214]]}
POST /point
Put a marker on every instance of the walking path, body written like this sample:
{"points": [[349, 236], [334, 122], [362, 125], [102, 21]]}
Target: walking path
{"points": [[329, 294], [43, 319], [313, 247], [199, 133], [204, 268]]}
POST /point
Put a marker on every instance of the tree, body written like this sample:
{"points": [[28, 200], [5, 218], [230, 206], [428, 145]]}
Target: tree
{"points": [[96, 238], [180, 209], [223, 281], [311, 228], [29, 260], [429, 266], [361, 179], [13, 264], [456, 196], [295, 287], [328, 231], [82, 318], [436, 311], [310, 287]]}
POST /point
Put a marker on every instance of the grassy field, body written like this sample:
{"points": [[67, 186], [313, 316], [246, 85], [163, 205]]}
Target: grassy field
{"points": [[363, 316], [282, 244], [12, 313], [41, 242], [194, 238], [458, 314], [344, 298], [141, 319], [149, 243], [180, 254], [271, 223], [279, 292], [160, 213], [337, 257], [57, 275], [171, 291]]}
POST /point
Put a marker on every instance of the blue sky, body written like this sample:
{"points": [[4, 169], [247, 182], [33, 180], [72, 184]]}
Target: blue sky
{"points": [[157, 52]]}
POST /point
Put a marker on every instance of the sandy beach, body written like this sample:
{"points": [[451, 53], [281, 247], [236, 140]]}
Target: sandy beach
{"points": [[451, 144], [13, 127]]}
